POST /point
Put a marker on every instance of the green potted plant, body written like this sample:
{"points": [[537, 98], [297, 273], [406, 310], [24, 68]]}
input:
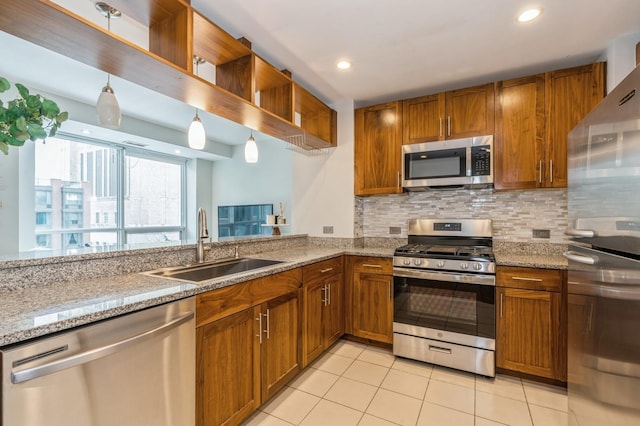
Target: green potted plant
{"points": [[29, 117]]}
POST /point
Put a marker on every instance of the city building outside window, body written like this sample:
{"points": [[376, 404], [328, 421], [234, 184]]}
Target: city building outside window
{"points": [[105, 195]]}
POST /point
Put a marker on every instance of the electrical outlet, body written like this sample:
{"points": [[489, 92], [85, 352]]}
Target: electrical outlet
{"points": [[327, 229], [541, 233], [395, 230]]}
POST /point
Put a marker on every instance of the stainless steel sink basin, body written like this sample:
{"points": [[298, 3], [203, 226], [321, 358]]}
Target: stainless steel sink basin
{"points": [[207, 271]]}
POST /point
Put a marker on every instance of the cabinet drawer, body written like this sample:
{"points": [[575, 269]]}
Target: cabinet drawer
{"points": [[529, 278], [223, 302], [373, 265], [321, 270]]}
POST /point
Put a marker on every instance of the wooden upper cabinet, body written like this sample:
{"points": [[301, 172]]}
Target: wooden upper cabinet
{"points": [[423, 119], [469, 112], [378, 145], [451, 115], [519, 146], [571, 94]]}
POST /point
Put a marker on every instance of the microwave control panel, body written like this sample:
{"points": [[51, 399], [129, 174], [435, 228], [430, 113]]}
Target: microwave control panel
{"points": [[481, 160]]}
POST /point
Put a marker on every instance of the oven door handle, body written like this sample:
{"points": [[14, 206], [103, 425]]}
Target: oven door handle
{"points": [[445, 276]]}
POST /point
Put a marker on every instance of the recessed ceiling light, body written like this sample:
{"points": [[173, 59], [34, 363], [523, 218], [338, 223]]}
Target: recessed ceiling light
{"points": [[344, 65], [86, 131], [177, 151], [529, 15]]}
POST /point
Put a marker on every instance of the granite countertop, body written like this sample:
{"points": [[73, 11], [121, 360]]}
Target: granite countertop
{"points": [[530, 255], [37, 311]]}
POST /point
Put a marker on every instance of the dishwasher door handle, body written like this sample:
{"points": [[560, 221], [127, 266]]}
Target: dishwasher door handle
{"points": [[97, 353]]}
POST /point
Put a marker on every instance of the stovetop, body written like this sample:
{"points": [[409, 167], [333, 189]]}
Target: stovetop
{"points": [[471, 253], [450, 245]]}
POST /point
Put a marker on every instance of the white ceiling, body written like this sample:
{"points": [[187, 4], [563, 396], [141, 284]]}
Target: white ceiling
{"points": [[398, 49], [404, 48]]}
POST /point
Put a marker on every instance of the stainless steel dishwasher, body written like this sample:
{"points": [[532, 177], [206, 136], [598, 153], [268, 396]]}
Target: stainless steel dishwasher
{"points": [[136, 369]]}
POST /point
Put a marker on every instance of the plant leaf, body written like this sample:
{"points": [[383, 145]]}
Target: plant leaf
{"points": [[21, 124], [63, 116], [4, 84], [33, 102], [53, 130], [36, 131], [19, 139], [24, 92], [49, 108], [4, 148]]}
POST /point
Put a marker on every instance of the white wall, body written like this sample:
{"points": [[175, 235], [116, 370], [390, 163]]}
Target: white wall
{"points": [[199, 178], [235, 182], [323, 185], [621, 58]]}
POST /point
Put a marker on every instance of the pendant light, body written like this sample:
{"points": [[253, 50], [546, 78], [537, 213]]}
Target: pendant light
{"points": [[107, 107], [196, 136], [251, 150]]}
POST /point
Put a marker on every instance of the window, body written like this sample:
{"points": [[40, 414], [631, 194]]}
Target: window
{"points": [[236, 221], [133, 196]]}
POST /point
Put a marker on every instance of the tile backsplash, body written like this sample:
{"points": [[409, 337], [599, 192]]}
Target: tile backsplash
{"points": [[514, 213]]}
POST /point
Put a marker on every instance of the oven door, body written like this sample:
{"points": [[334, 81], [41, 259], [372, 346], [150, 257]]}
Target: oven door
{"points": [[452, 307]]}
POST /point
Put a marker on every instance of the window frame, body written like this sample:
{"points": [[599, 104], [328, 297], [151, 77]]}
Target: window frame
{"points": [[121, 231]]}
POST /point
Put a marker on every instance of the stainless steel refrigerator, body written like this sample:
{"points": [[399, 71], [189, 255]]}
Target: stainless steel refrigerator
{"points": [[604, 261]]}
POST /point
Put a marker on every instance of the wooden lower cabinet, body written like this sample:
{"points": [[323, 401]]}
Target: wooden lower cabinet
{"points": [[531, 322], [280, 343], [323, 307], [228, 369], [371, 298], [243, 358]]}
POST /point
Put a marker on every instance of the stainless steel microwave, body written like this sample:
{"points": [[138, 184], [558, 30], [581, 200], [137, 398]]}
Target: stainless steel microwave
{"points": [[464, 163]]}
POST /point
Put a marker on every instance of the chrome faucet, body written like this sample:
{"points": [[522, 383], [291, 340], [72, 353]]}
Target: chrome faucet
{"points": [[201, 234]]}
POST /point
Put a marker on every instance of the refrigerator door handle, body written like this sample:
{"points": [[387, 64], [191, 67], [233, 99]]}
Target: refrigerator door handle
{"points": [[580, 258], [586, 233]]}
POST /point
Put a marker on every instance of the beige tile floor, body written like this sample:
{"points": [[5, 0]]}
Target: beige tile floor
{"points": [[354, 384]]}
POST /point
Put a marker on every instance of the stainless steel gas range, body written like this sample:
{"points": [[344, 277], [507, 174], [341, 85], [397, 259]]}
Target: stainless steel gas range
{"points": [[444, 295]]}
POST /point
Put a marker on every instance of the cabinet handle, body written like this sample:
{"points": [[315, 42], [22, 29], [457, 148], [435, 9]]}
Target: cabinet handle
{"points": [[322, 271], [371, 265], [259, 319], [551, 171], [501, 303], [440, 132], [538, 280], [398, 179], [324, 295], [540, 172], [329, 292], [449, 126], [439, 349], [267, 329]]}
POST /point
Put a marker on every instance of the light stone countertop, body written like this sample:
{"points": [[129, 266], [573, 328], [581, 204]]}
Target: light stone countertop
{"points": [[31, 312], [26, 313]]}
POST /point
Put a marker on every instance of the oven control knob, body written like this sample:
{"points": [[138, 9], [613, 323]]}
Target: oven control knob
{"points": [[477, 266], [464, 266], [417, 262], [441, 264], [407, 261]]}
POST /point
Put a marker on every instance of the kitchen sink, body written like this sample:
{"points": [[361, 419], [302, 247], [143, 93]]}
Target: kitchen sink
{"points": [[206, 271]]}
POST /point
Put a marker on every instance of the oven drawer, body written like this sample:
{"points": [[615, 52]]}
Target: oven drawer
{"points": [[479, 361]]}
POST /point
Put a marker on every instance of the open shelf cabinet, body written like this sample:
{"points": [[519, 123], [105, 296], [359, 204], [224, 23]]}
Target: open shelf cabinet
{"points": [[177, 33]]}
